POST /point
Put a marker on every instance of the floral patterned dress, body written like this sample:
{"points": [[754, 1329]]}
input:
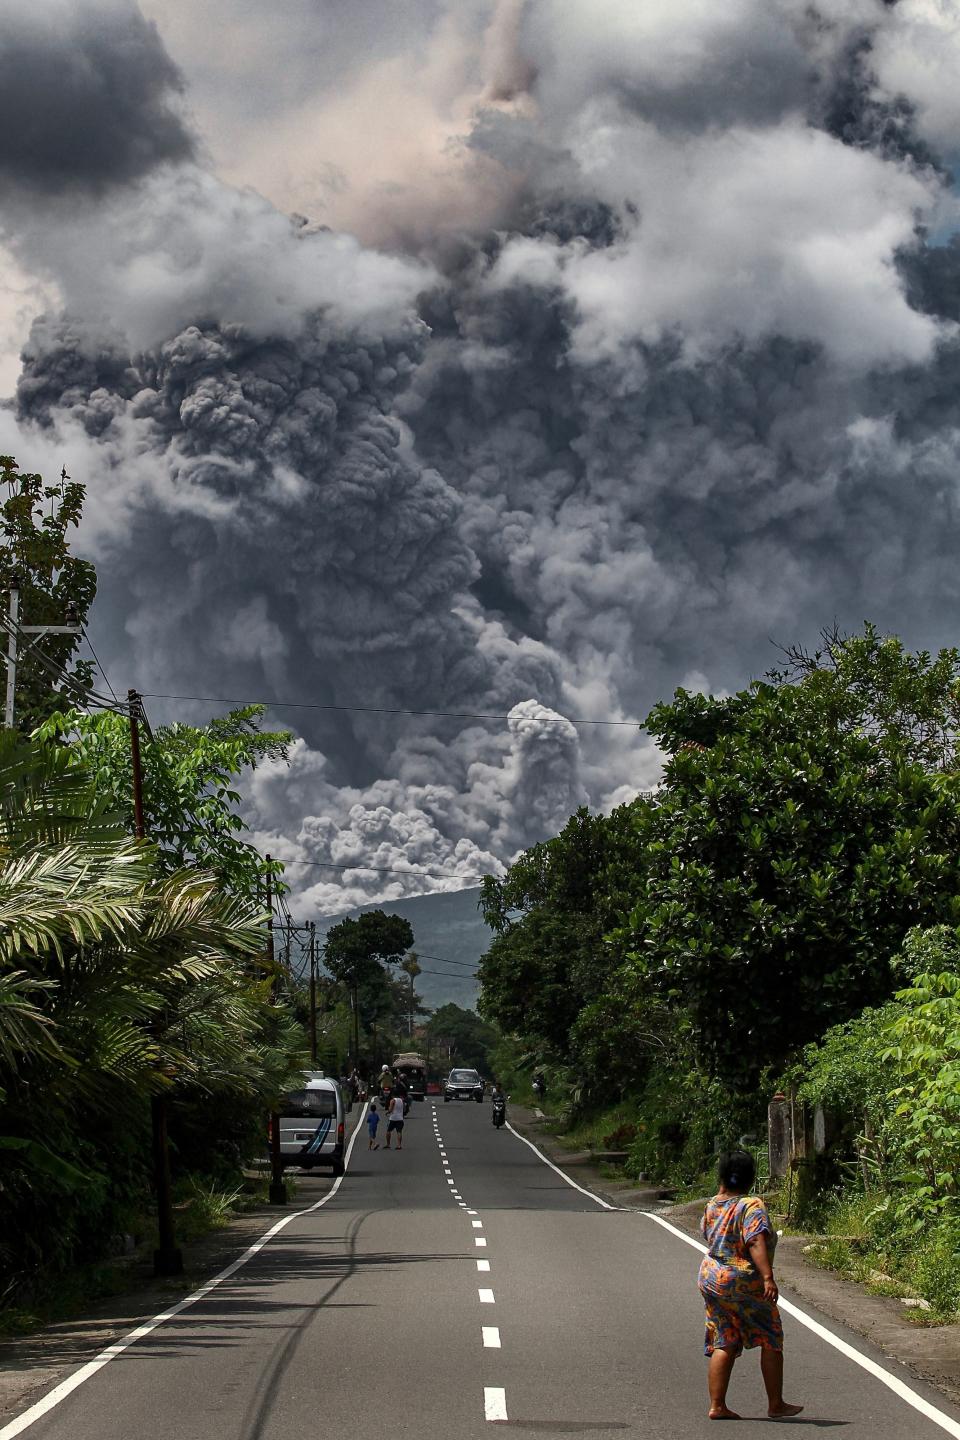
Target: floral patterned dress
{"points": [[738, 1317]]}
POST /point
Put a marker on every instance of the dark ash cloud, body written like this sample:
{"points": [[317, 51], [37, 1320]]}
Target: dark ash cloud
{"points": [[695, 391], [88, 97]]}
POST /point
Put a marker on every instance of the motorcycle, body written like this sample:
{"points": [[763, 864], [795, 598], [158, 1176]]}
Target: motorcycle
{"points": [[499, 1111], [539, 1088]]}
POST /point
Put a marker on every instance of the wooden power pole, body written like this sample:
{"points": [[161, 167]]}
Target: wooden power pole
{"points": [[167, 1258]]}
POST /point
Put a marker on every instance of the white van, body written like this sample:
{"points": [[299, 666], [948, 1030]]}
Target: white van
{"points": [[313, 1124]]}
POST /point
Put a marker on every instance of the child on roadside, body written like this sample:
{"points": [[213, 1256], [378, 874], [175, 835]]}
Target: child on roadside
{"points": [[373, 1125]]}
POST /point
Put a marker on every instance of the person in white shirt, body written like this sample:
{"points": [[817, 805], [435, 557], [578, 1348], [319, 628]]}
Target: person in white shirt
{"points": [[395, 1122]]}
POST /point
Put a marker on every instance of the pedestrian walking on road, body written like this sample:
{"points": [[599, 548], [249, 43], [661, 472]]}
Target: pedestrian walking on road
{"points": [[373, 1125], [738, 1288], [395, 1122]]}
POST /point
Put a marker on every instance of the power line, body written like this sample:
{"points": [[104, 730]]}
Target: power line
{"points": [[382, 869], [443, 960], [446, 974], [96, 659], [382, 710]]}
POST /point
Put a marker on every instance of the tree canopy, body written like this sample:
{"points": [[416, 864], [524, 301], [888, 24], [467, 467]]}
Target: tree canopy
{"points": [[190, 773], [801, 828], [35, 521]]}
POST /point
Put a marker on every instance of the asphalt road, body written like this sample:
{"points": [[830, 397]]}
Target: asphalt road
{"points": [[452, 1284]]}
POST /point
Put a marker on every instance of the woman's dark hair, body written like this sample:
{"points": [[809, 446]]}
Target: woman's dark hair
{"points": [[737, 1170]]}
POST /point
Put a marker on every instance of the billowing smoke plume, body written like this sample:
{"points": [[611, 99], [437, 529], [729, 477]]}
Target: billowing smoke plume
{"points": [[88, 98], [661, 364]]}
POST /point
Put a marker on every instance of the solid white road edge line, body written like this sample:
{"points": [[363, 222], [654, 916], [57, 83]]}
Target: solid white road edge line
{"points": [[494, 1403], [557, 1171], [73, 1382], [892, 1382]]}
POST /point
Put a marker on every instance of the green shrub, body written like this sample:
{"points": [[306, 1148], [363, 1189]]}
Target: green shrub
{"points": [[683, 1119]]}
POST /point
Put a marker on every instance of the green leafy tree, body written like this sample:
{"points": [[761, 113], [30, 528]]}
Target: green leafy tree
{"points": [[355, 954], [190, 774], [35, 521], [120, 980], [781, 867], [549, 956], [924, 1047], [470, 1039], [869, 684]]}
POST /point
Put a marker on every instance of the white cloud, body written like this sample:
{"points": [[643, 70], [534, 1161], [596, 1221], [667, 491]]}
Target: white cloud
{"points": [[183, 248], [916, 54], [739, 234]]}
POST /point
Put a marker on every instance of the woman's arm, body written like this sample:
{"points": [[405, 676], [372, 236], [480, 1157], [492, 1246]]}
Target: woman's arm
{"points": [[760, 1256]]}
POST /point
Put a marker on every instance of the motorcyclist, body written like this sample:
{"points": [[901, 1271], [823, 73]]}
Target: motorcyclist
{"points": [[384, 1085], [499, 1104], [540, 1086]]}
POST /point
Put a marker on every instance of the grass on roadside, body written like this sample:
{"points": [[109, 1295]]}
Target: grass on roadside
{"points": [[863, 1239]]}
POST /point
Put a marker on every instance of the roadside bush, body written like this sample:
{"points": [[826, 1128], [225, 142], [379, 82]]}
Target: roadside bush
{"points": [[683, 1120]]}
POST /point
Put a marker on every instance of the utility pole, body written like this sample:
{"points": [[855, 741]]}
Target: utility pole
{"points": [[356, 1022], [278, 1190], [14, 613], [167, 1258], [412, 968], [15, 630], [313, 993]]}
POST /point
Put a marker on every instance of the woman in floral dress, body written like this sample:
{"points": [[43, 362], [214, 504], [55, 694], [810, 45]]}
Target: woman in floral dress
{"points": [[738, 1288]]}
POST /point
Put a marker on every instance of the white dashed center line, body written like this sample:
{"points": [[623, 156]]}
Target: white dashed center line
{"points": [[483, 1265], [491, 1337], [486, 1297], [494, 1403], [479, 1240], [477, 1224]]}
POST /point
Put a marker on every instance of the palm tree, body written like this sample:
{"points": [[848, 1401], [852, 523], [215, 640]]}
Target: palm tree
{"points": [[117, 982]]}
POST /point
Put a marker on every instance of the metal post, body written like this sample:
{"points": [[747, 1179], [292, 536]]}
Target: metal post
{"points": [[278, 1190], [14, 613], [167, 1258], [313, 992]]}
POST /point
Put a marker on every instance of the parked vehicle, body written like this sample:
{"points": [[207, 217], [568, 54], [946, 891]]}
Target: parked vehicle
{"points": [[463, 1085], [411, 1071], [313, 1124]]}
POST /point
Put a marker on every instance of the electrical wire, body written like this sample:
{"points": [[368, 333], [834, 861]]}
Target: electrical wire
{"points": [[443, 960], [96, 661], [382, 869], [66, 682], [382, 710]]}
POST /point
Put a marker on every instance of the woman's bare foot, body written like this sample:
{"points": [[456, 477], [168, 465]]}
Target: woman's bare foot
{"points": [[784, 1411], [721, 1412]]}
